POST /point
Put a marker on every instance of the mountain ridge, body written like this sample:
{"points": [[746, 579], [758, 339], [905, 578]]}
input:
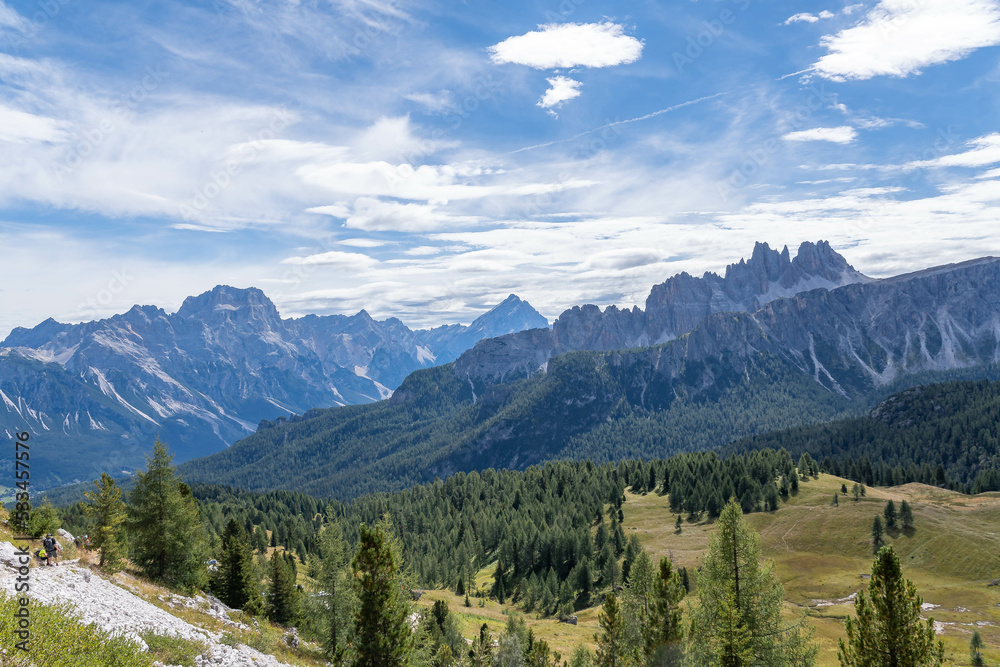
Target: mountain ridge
{"points": [[673, 308], [206, 375], [814, 356]]}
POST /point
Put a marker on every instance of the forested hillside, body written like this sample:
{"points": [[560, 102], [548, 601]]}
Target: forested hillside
{"points": [[589, 405], [941, 434]]}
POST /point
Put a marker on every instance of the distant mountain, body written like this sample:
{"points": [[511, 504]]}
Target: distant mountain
{"points": [[96, 394], [792, 360], [673, 308]]}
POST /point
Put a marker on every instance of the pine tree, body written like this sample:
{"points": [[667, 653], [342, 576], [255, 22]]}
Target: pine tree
{"points": [[843, 489], [43, 520], [108, 510], [890, 514], [335, 581], [166, 537], [235, 580], [856, 492], [737, 622], [877, 534], [611, 649], [679, 524], [282, 596], [976, 650], [906, 515], [887, 630], [382, 636]]}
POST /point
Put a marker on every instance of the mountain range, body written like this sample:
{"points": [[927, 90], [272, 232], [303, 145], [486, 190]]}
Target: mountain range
{"points": [[96, 394], [709, 360]]}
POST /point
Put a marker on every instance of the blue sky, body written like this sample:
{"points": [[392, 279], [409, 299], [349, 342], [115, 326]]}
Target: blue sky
{"points": [[424, 159]]}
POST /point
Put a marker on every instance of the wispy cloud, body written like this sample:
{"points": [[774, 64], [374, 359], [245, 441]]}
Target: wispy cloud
{"points": [[983, 151]]}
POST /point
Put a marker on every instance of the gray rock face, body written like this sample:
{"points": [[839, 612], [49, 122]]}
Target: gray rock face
{"points": [[673, 309], [205, 376]]}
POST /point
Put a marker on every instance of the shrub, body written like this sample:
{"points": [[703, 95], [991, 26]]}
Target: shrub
{"points": [[173, 650], [59, 638]]}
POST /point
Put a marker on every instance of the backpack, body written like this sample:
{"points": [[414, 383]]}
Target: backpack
{"points": [[48, 543]]}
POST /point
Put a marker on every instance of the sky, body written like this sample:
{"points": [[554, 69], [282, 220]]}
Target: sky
{"points": [[423, 159]]}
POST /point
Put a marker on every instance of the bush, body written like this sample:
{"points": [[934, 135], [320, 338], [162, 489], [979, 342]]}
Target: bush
{"points": [[60, 639], [172, 650]]}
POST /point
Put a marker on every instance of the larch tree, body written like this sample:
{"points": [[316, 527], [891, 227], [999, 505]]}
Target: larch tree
{"points": [[878, 534], [612, 649], [335, 583], [235, 579], [737, 622], [906, 515], [664, 631], [167, 539], [382, 635], [976, 650], [888, 630], [282, 595], [890, 514], [107, 508]]}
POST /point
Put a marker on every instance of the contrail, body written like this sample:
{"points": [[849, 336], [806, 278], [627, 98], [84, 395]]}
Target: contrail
{"points": [[646, 117], [618, 122], [802, 71]]}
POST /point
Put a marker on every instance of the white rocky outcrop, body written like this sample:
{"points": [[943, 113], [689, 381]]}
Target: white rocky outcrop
{"points": [[118, 610]]}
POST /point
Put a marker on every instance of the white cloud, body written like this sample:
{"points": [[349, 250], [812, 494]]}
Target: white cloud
{"points": [[561, 89], [422, 251], [344, 260], [825, 14], [984, 151], [20, 126], [901, 37], [362, 243], [838, 135], [562, 45], [373, 214], [850, 9], [802, 17]]}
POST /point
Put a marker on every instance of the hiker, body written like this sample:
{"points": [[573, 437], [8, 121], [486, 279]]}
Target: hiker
{"points": [[51, 549], [40, 554], [86, 542]]}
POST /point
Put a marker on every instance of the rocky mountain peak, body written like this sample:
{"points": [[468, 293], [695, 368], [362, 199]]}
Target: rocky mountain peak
{"points": [[227, 303], [511, 314]]}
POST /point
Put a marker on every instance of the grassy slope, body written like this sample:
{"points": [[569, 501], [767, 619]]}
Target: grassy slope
{"points": [[820, 553]]}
